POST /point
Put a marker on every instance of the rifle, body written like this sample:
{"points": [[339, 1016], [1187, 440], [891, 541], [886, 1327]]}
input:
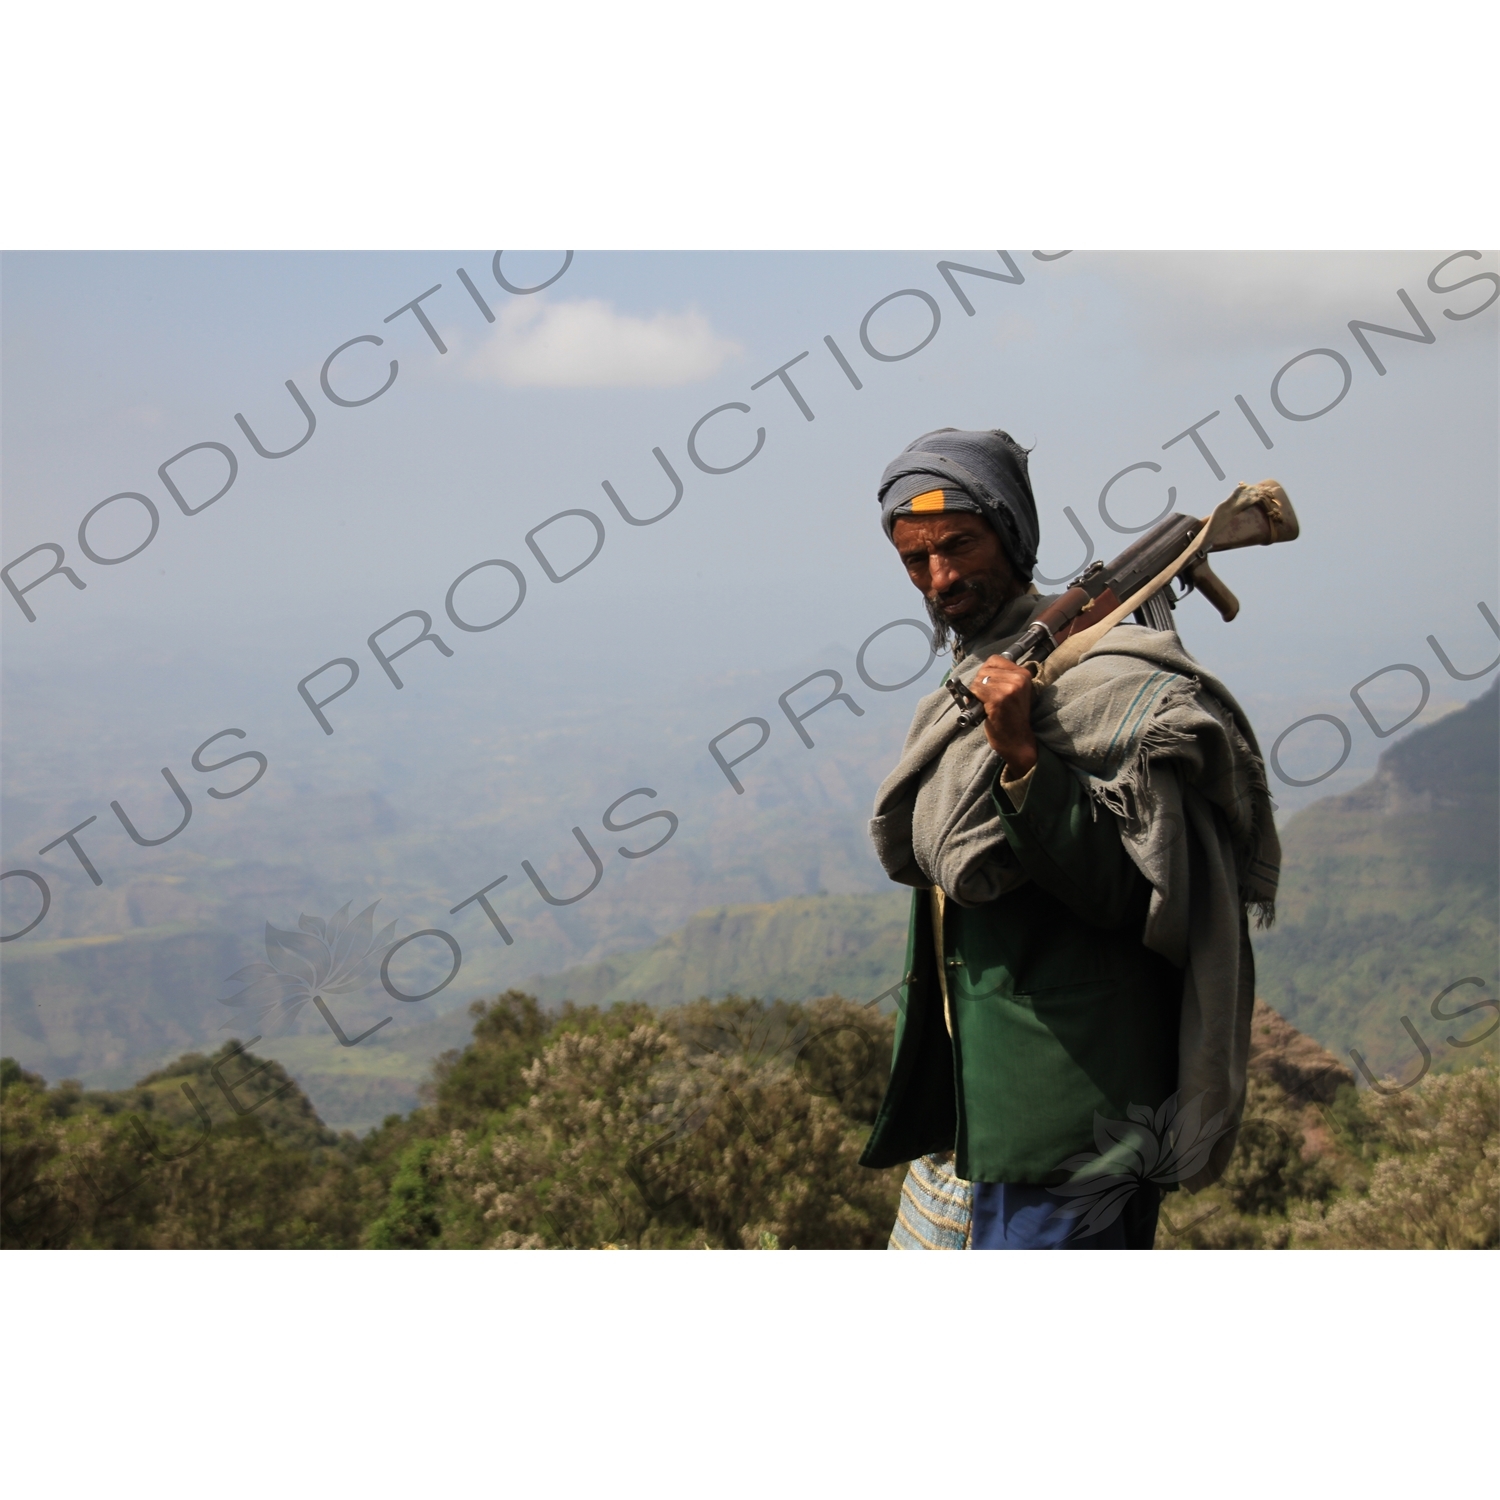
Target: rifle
{"points": [[1140, 580]]}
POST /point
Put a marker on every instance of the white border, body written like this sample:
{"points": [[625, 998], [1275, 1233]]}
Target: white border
{"points": [[813, 124]]}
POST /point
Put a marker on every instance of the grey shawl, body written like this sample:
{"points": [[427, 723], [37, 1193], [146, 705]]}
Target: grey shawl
{"points": [[1161, 745]]}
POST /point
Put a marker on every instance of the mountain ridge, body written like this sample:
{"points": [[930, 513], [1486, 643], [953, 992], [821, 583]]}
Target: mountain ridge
{"points": [[1390, 893]]}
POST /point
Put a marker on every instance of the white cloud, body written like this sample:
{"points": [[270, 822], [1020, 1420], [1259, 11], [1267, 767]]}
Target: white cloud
{"points": [[588, 343]]}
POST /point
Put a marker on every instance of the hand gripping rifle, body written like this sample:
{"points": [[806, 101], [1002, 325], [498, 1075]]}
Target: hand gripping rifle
{"points": [[1136, 581]]}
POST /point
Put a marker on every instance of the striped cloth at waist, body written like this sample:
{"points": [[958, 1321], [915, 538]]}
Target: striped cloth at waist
{"points": [[934, 1209]]}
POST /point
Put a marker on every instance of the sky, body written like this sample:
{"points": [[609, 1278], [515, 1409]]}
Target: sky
{"points": [[111, 364]]}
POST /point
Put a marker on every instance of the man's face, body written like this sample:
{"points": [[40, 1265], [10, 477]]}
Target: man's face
{"points": [[958, 563]]}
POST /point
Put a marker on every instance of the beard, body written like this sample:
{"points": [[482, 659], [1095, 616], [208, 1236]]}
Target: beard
{"points": [[991, 595]]}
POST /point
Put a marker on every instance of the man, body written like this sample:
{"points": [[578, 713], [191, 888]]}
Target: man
{"points": [[1079, 980]]}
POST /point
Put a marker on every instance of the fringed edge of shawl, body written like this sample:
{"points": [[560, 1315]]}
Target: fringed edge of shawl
{"points": [[1264, 912], [1128, 793]]}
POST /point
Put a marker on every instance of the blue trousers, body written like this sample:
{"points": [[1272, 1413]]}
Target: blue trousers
{"points": [[1019, 1216]]}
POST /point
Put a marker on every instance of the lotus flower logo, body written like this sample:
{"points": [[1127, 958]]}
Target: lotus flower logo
{"points": [[322, 958], [1161, 1148]]}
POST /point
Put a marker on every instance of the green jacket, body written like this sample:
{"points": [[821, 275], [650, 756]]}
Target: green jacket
{"points": [[1059, 1010]]}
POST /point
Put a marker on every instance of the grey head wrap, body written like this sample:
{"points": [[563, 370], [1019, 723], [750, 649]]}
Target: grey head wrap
{"points": [[981, 472]]}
